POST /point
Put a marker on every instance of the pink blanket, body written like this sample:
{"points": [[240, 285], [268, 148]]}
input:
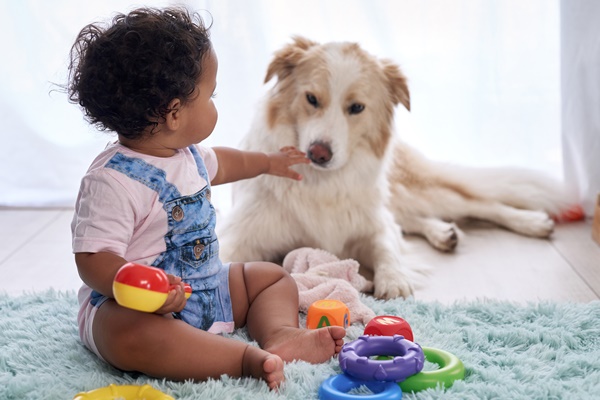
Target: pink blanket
{"points": [[321, 275]]}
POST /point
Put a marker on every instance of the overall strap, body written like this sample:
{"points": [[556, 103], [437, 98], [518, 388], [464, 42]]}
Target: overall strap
{"points": [[200, 163], [145, 173]]}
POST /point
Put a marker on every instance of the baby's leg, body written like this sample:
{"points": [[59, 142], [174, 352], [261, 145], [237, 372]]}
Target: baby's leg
{"points": [[168, 348], [265, 298]]}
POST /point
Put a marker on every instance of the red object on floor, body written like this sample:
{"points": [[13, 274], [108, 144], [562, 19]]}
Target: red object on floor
{"points": [[389, 325], [571, 214]]}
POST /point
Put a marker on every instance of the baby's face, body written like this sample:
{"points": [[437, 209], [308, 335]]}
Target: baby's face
{"points": [[200, 112]]}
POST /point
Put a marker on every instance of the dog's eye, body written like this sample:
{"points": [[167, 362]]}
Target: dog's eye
{"points": [[356, 108], [312, 100]]}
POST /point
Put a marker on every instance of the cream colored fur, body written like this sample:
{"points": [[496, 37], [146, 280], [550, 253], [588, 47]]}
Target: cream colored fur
{"points": [[336, 102]]}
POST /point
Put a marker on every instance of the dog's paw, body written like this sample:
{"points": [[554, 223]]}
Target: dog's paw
{"points": [[444, 239], [392, 287], [532, 223]]}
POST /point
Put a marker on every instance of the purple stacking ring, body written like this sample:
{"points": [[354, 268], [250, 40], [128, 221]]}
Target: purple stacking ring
{"points": [[408, 358]]}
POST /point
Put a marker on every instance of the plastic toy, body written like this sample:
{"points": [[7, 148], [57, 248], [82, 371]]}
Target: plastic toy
{"points": [[571, 214], [407, 358], [125, 392], [327, 312], [389, 325], [143, 288], [338, 386], [451, 369]]}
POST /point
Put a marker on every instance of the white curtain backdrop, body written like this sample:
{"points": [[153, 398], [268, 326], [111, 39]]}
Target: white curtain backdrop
{"points": [[580, 45], [484, 78]]}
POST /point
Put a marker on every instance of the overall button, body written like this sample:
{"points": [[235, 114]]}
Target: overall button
{"points": [[198, 249], [177, 213], [208, 194]]}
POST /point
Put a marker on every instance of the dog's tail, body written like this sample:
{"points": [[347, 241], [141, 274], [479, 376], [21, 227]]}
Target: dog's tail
{"points": [[516, 187]]}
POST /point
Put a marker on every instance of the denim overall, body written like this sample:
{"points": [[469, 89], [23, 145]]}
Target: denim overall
{"points": [[192, 248]]}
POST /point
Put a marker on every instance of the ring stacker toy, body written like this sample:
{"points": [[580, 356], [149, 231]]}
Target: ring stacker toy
{"points": [[451, 369], [407, 358], [143, 288], [389, 325], [123, 392], [327, 312], [338, 386]]}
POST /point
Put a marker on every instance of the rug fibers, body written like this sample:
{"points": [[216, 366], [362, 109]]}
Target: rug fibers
{"points": [[533, 351]]}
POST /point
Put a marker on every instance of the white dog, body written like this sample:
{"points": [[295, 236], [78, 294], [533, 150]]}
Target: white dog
{"points": [[336, 102]]}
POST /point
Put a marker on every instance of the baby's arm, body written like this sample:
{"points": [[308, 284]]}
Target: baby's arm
{"points": [[235, 165], [98, 271]]}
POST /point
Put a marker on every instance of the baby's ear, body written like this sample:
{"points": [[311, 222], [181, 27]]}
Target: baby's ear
{"points": [[287, 58], [172, 116]]}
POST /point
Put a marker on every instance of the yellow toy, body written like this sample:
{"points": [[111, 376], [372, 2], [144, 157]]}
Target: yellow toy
{"points": [[125, 392], [143, 288]]}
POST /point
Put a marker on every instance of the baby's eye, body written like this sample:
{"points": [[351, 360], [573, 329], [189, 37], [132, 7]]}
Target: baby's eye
{"points": [[213, 95]]}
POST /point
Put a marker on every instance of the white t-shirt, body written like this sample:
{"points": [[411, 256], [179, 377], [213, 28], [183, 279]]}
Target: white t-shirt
{"points": [[117, 214]]}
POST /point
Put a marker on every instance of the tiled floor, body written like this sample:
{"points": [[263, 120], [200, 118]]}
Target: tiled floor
{"points": [[36, 251], [498, 264], [489, 263]]}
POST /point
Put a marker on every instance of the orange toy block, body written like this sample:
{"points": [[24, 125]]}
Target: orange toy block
{"points": [[327, 312]]}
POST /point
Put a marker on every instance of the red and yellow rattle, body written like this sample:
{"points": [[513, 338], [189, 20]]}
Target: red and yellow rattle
{"points": [[143, 288]]}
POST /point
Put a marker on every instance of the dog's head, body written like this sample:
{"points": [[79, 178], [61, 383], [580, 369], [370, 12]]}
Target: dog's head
{"points": [[338, 99]]}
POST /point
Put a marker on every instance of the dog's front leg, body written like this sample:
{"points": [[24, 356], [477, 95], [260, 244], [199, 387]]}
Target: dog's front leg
{"points": [[382, 252]]}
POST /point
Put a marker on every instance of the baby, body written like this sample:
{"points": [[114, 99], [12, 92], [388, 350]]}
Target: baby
{"points": [[150, 76]]}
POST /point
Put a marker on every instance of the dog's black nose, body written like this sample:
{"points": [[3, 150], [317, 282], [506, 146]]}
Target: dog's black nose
{"points": [[319, 153]]}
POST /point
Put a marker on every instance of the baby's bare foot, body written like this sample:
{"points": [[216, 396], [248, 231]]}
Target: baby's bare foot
{"points": [[263, 365], [311, 345], [273, 371]]}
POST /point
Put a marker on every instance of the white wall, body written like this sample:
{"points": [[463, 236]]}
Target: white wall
{"points": [[580, 37], [484, 77]]}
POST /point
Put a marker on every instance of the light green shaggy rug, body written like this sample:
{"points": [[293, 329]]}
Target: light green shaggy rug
{"points": [[537, 351]]}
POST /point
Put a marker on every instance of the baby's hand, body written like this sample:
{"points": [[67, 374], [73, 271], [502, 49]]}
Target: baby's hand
{"points": [[280, 162], [176, 299]]}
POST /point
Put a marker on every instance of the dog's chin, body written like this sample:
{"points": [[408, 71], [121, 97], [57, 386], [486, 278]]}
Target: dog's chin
{"points": [[332, 165]]}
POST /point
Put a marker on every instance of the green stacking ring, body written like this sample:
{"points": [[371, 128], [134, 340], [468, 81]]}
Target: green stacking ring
{"points": [[451, 369]]}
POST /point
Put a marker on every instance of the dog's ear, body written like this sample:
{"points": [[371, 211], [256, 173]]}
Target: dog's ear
{"points": [[397, 83], [288, 57]]}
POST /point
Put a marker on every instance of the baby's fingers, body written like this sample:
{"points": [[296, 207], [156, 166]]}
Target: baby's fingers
{"points": [[293, 152], [292, 175], [175, 300]]}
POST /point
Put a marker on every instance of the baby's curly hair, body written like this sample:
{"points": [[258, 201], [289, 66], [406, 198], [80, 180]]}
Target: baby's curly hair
{"points": [[125, 75]]}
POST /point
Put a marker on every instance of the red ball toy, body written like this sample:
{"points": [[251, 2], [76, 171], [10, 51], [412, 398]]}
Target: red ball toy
{"points": [[389, 325], [143, 288]]}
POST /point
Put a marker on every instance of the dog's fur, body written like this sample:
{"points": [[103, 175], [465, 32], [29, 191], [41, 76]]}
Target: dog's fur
{"points": [[336, 102]]}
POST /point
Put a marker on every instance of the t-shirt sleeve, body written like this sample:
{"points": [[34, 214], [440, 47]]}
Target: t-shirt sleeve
{"points": [[104, 216], [210, 160]]}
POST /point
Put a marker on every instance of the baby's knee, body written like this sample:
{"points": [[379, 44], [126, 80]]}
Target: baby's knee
{"points": [[279, 273], [267, 268], [268, 274]]}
